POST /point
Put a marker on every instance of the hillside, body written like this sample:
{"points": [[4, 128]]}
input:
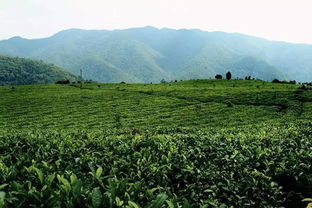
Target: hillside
{"points": [[198, 143], [149, 54], [15, 71]]}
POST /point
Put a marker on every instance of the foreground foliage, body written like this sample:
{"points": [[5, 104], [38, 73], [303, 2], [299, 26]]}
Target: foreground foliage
{"points": [[266, 166]]}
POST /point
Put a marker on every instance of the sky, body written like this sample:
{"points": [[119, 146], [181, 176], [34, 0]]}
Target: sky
{"points": [[282, 20]]}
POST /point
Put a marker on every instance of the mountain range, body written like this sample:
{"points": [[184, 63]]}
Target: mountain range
{"points": [[149, 54]]}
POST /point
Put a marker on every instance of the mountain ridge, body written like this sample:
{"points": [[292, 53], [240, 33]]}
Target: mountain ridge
{"points": [[149, 54]]}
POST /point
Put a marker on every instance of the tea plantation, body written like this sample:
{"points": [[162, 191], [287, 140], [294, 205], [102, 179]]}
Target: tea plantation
{"points": [[199, 143]]}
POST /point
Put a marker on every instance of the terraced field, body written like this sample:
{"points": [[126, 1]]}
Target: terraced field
{"points": [[200, 143], [190, 103]]}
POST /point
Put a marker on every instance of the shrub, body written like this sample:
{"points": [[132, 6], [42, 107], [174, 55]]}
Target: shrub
{"points": [[239, 167], [63, 82], [218, 76]]}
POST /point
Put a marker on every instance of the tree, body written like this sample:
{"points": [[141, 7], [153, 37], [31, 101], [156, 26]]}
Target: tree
{"points": [[276, 81], [228, 75], [63, 82], [218, 76], [163, 81]]}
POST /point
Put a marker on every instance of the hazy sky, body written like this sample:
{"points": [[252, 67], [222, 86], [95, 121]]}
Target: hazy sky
{"points": [[286, 20]]}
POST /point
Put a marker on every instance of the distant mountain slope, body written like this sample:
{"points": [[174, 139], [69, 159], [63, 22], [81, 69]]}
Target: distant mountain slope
{"points": [[149, 54], [255, 68], [15, 71]]}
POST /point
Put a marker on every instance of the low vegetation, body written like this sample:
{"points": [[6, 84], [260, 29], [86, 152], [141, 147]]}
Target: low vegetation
{"points": [[200, 143]]}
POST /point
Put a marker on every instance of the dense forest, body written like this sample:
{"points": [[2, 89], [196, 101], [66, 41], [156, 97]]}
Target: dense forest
{"points": [[14, 71]]}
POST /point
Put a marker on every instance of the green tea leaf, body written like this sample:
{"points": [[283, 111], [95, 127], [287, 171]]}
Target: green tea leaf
{"points": [[2, 198], [96, 197], [99, 172], [3, 186], [159, 201], [132, 204], [40, 174]]}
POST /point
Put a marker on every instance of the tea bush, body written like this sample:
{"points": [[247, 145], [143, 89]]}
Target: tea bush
{"points": [[199, 143], [238, 167]]}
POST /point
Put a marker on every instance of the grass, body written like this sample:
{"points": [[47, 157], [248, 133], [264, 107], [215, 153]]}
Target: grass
{"points": [[199, 143]]}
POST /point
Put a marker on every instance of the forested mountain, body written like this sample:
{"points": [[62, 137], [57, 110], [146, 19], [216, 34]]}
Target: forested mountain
{"points": [[15, 71], [149, 54]]}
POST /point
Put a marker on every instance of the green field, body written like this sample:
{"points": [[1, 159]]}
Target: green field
{"points": [[199, 143]]}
